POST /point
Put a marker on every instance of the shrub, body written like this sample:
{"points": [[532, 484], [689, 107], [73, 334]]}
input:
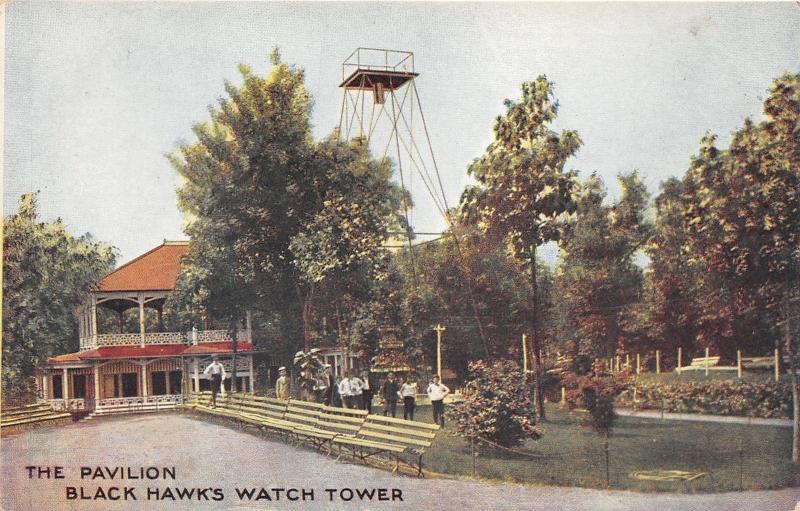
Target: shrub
{"points": [[718, 397], [498, 408]]}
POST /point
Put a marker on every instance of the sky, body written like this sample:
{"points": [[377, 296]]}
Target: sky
{"points": [[97, 94]]}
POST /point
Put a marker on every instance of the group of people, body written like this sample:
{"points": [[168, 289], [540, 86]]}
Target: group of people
{"points": [[392, 391], [348, 391], [352, 391]]}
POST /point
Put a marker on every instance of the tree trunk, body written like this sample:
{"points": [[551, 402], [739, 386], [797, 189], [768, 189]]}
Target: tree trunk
{"points": [[305, 305], [538, 392], [605, 448]]}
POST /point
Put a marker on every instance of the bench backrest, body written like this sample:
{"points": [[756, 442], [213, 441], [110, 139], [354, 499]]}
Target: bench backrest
{"points": [[345, 421], [703, 361], [303, 413], [262, 406], [401, 432]]}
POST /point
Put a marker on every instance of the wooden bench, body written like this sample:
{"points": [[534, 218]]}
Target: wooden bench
{"points": [[400, 439], [15, 419], [350, 430], [700, 364]]}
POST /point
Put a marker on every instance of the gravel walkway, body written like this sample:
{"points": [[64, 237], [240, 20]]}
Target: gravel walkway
{"points": [[207, 455]]}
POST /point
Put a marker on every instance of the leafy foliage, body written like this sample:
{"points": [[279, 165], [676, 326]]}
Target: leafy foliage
{"points": [[279, 223], [597, 279], [497, 407], [46, 274]]}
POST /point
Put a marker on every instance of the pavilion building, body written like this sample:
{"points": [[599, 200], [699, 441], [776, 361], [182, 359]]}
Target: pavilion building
{"points": [[121, 367]]}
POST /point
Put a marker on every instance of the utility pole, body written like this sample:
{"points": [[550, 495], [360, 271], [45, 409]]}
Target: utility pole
{"points": [[525, 355], [439, 329]]}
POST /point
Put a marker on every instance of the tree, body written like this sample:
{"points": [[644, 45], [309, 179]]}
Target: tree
{"points": [[47, 273], [523, 190], [273, 215], [671, 284], [598, 281], [743, 218]]}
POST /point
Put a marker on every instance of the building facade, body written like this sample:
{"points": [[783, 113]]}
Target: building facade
{"points": [[123, 365]]}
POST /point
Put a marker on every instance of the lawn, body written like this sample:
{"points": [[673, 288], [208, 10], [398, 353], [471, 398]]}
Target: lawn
{"points": [[733, 457]]}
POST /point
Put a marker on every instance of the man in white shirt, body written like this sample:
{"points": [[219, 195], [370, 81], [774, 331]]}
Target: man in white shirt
{"points": [[436, 392], [408, 393], [346, 387], [216, 372], [356, 391]]}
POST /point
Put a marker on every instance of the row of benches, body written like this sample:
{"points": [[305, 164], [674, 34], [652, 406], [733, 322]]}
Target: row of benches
{"points": [[23, 417], [355, 432]]}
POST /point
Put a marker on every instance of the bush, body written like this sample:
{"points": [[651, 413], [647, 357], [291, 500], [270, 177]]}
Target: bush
{"points": [[498, 407], [720, 397]]}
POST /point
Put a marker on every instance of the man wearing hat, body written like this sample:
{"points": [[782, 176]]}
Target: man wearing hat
{"points": [[283, 385], [216, 372]]}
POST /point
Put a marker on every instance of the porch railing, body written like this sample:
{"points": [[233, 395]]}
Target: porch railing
{"points": [[135, 339]]}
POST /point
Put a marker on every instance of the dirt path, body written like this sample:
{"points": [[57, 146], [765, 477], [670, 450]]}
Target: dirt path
{"points": [[207, 455]]}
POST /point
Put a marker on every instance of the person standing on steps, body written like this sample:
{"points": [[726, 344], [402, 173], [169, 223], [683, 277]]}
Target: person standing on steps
{"points": [[436, 392], [216, 372]]}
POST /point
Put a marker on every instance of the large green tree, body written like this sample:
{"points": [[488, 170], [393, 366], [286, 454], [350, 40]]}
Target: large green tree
{"points": [[524, 191], [743, 218], [47, 272], [276, 218], [598, 282]]}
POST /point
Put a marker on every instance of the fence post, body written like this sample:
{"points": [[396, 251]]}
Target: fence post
{"points": [[706, 361], [628, 361], [680, 359], [739, 363], [563, 395], [618, 363], [472, 448], [658, 361], [777, 366], [638, 363]]}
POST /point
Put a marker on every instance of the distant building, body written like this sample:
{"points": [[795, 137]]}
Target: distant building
{"points": [[141, 367]]}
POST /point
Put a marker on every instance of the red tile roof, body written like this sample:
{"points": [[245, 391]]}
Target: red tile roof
{"points": [[152, 350], [156, 270]]}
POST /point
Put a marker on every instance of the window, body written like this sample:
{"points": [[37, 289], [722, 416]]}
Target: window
{"points": [[79, 386], [159, 381], [58, 392]]}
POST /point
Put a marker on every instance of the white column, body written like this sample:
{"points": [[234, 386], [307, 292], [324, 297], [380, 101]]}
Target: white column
{"points": [[94, 320], [141, 317], [144, 380], [196, 375], [96, 383], [64, 384], [45, 381]]}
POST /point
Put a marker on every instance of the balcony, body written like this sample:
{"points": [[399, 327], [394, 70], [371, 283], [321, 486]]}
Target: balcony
{"points": [[135, 339]]}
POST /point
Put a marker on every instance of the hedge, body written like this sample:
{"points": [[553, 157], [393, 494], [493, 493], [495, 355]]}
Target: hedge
{"points": [[721, 397]]}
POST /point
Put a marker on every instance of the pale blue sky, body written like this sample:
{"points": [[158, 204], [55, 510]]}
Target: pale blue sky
{"points": [[96, 94]]}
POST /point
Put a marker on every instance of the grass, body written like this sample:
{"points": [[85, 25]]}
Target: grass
{"points": [[570, 454]]}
